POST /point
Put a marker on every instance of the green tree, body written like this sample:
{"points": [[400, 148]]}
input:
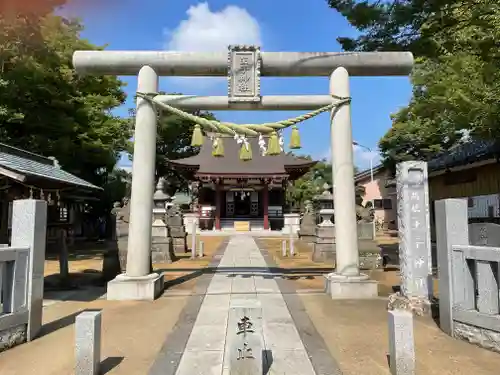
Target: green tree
{"points": [[310, 184], [395, 25], [456, 78], [173, 141], [118, 185], [47, 108]]}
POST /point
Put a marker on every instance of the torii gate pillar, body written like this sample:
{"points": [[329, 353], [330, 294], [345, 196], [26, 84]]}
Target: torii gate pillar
{"points": [[138, 283], [346, 282]]}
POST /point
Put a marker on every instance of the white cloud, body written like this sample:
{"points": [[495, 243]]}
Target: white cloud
{"points": [[208, 31], [205, 30]]}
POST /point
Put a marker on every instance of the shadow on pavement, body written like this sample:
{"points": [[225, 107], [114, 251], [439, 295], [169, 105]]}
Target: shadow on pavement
{"points": [[109, 364], [55, 325]]}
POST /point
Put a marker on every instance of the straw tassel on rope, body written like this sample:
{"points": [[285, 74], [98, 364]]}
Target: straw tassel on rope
{"points": [[246, 151], [218, 147], [273, 145], [295, 138], [197, 138]]}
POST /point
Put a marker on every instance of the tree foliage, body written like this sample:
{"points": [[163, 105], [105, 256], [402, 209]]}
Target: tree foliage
{"points": [[310, 184], [456, 82], [46, 108], [173, 141]]}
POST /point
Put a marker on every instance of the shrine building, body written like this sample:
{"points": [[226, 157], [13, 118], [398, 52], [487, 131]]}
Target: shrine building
{"points": [[232, 191]]}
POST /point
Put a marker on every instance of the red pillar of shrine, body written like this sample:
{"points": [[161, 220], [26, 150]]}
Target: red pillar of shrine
{"points": [[218, 203], [265, 205]]}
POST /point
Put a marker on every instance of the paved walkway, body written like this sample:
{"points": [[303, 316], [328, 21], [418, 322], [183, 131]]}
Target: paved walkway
{"points": [[243, 274]]}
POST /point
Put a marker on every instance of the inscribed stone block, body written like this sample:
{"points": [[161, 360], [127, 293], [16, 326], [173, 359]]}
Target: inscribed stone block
{"points": [[88, 343], [244, 334], [244, 74], [308, 226], [414, 229], [29, 229], [484, 234], [401, 343]]}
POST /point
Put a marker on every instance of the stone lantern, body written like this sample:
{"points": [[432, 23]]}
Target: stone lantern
{"points": [[325, 202], [161, 241], [324, 243], [160, 199]]}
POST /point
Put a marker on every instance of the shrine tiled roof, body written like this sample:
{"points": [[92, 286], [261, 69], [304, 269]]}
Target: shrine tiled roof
{"points": [[462, 154], [465, 153], [26, 164], [230, 164]]}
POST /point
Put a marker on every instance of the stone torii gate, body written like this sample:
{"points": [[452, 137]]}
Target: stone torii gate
{"points": [[347, 281]]}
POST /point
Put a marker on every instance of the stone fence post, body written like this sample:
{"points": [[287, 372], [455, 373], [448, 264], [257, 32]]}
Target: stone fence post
{"points": [[29, 229]]}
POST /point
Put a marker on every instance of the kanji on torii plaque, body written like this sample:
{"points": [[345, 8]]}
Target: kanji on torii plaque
{"points": [[244, 74]]}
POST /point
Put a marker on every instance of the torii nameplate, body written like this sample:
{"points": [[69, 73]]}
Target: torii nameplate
{"points": [[244, 74]]}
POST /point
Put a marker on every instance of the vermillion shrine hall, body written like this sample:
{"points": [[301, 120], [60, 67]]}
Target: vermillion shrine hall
{"points": [[232, 190]]}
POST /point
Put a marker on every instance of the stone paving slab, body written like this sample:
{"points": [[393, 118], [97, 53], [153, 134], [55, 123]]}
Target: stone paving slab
{"points": [[201, 363], [170, 357], [317, 350], [243, 278], [236, 286]]}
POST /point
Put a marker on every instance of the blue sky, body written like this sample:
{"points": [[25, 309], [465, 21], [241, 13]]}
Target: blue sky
{"points": [[277, 25]]}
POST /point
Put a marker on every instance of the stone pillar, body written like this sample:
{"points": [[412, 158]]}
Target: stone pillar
{"points": [[29, 230], [138, 283], [88, 343], [346, 281], [347, 262], [265, 205], [291, 222], [218, 205], [414, 239], [188, 219], [162, 250]]}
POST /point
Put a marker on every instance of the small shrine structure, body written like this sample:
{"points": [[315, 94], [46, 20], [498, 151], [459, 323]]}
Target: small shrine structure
{"points": [[232, 191]]}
